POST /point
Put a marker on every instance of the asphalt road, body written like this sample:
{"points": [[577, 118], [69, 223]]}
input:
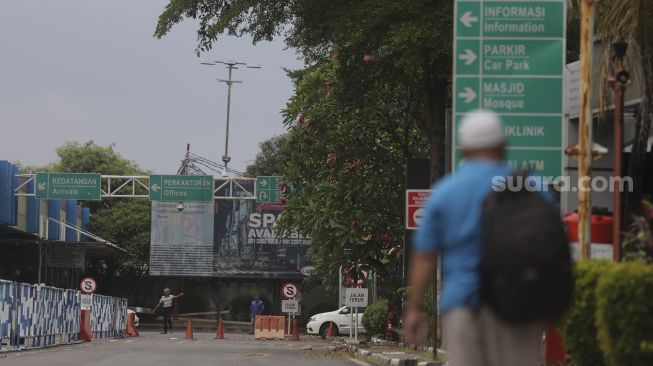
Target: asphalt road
{"points": [[162, 350]]}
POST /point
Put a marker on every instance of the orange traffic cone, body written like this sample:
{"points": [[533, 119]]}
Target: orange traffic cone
{"points": [[189, 330], [330, 331], [131, 330], [295, 331], [219, 334]]}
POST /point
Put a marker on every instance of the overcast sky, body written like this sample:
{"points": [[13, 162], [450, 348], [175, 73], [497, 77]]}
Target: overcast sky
{"points": [[90, 70]]}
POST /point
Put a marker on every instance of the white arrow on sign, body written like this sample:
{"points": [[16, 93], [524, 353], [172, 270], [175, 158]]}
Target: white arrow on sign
{"points": [[155, 187], [42, 186], [263, 195], [469, 56], [468, 94], [467, 19], [263, 183], [418, 216]]}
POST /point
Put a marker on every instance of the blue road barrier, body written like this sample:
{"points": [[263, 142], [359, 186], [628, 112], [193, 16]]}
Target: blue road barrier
{"points": [[108, 317], [34, 316], [7, 295]]}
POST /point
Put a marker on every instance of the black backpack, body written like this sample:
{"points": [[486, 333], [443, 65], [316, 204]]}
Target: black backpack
{"points": [[526, 270]]}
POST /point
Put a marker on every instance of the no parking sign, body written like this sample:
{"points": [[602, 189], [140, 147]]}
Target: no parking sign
{"points": [[289, 291], [88, 285]]}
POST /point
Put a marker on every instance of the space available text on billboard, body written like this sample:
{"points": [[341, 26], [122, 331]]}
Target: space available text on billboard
{"points": [[260, 230]]}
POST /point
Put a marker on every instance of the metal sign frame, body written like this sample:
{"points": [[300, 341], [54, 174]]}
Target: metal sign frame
{"points": [[125, 186]]}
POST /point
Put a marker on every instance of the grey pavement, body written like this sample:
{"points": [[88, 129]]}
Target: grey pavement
{"points": [[171, 349]]}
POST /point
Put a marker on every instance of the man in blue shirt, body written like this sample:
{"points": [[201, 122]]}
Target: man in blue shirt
{"points": [[452, 227], [255, 308]]}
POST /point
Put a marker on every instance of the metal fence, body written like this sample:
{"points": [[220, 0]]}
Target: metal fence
{"points": [[108, 318], [33, 316]]}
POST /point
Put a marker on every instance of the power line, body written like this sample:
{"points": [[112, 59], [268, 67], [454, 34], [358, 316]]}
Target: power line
{"points": [[188, 166]]}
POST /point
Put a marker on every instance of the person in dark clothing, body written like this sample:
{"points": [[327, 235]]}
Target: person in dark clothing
{"points": [[255, 308], [166, 305]]}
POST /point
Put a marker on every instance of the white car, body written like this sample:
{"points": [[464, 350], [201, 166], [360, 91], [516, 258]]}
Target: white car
{"points": [[341, 318]]}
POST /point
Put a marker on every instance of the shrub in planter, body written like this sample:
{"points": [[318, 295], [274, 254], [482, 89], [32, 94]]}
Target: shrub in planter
{"points": [[579, 327], [624, 314], [375, 318]]}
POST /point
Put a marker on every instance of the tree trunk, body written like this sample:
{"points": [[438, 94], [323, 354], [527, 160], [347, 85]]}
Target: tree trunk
{"points": [[435, 105]]}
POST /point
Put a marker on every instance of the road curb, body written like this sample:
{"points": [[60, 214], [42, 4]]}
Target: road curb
{"points": [[387, 360]]}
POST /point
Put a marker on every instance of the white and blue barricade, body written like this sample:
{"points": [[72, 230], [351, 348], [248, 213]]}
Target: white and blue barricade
{"points": [[7, 298], [33, 316], [108, 317]]}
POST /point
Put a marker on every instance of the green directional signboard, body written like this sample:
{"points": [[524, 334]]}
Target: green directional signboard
{"points": [[181, 188], [267, 190], [509, 57], [68, 186]]}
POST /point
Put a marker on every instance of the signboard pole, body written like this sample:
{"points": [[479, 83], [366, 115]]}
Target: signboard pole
{"points": [[351, 322], [356, 323]]}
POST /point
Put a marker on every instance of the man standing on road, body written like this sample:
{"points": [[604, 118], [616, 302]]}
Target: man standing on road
{"points": [[166, 304], [452, 226], [255, 308]]}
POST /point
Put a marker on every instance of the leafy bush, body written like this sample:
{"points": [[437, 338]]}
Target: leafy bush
{"points": [[638, 240], [625, 314], [579, 328], [375, 318]]}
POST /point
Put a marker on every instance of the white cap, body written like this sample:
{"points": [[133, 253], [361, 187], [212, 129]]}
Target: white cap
{"points": [[481, 129]]}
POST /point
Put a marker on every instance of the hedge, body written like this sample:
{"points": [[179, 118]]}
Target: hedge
{"points": [[611, 320], [375, 318], [625, 314], [579, 328]]}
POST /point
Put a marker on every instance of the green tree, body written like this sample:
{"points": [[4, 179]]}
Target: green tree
{"points": [[125, 222], [376, 95], [345, 176], [271, 159], [88, 158], [405, 44]]}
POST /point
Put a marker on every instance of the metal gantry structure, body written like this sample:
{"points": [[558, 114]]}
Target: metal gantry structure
{"points": [[138, 186]]}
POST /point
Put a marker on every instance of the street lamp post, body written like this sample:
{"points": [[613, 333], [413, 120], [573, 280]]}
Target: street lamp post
{"points": [[231, 65], [619, 82]]}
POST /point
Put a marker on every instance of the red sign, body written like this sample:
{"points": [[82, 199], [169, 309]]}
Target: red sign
{"points": [[289, 291], [416, 206], [88, 285]]}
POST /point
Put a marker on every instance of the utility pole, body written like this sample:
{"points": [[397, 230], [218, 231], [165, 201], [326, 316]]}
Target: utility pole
{"points": [[585, 128], [619, 81], [231, 65], [229, 82]]}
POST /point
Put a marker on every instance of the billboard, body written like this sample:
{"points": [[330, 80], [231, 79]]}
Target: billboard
{"points": [[247, 244], [181, 240], [224, 238]]}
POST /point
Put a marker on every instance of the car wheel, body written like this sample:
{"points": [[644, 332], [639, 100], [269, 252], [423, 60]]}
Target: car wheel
{"points": [[324, 329]]}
